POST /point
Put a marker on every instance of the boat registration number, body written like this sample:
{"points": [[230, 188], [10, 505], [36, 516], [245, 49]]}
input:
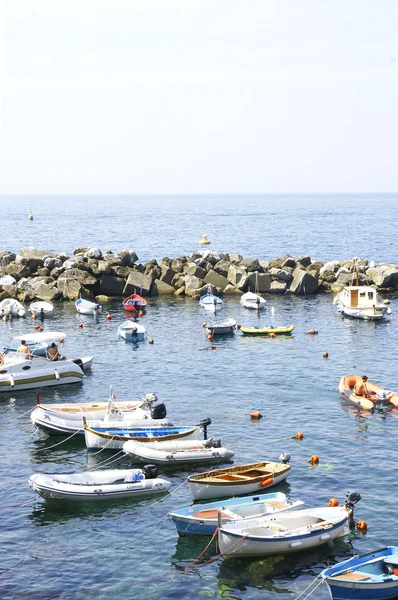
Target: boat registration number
{"points": [[137, 485]]}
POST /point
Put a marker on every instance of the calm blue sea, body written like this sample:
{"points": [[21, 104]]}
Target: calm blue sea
{"points": [[130, 549]]}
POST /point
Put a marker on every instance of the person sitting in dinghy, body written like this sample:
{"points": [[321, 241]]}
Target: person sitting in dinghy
{"points": [[361, 389]]}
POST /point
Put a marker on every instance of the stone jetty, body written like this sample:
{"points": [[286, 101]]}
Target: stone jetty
{"points": [[90, 273]]}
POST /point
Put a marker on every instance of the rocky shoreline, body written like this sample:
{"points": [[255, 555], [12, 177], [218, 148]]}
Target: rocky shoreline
{"points": [[90, 273]]}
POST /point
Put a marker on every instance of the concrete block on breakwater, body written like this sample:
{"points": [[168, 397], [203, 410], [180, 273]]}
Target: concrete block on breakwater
{"points": [[88, 273]]}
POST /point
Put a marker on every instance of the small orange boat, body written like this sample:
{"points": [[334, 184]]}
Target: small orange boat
{"points": [[377, 398], [134, 303]]}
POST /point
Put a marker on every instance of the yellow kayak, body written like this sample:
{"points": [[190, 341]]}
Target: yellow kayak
{"points": [[266, 330]]}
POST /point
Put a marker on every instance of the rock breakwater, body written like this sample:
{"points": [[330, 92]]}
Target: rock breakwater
{"points": [[90, 273]]}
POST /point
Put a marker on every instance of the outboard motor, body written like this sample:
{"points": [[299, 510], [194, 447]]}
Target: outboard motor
{"points": [[150, 471], [213, 443], [204, 423], [381, 402], [351, 498], [158, 408]]}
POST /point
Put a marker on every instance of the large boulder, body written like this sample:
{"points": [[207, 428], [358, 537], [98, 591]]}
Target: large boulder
{"points": [[236, 274], [70, 288], [10, 291], [84, 277], [167, 274], [160, 288], [113, 260], [384, 276], [289, 262], [7, 257], [94, 253], [137, 283], [303, 283], [251, 264], [194, 270], [345, 279], [278, 287], [302, 261], [259, 282], [222, 267], [216, 279], [281, 274], [34, 258], [330, 267], [47, 292], [192, 285], [17, 270], [128, 258], [109, 285], [98, 267]]}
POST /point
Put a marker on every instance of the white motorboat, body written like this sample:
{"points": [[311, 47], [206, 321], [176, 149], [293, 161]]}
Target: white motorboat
{"points": [[20, 371], [253, 301], [211, 302], [114, 438], [92, 486], [228, 326], [238, 480], [86, 307], [12, 308], [361, 302], [202, 519], [292, 531], [178, 452], [131, 331], [41, 308]]}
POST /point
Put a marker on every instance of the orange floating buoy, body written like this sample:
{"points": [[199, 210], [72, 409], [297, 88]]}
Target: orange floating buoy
{"points": [[239, 326], [314, 460], [325, 354], [266, 482], [140, 313], [61, 340], [150, 341], [204, 324], [333, 502], [209, 337], [299, 435], [108, 317], [40, 329], [213, 347], [362, 525], [37, 326], [255, 415], [312, 331], [33, 316], [4, 318], [81, 325], [272, 334]]}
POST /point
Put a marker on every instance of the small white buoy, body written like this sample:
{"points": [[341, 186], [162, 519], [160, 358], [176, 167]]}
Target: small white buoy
{"points": [[204, 240]]}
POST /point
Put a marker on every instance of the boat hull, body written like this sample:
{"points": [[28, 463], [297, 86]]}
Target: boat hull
{"points": [[266, 330], [364, 577], [114, 440], [197, 453], [202, 519], [221, 328], [295, 531], [51, 488], [52, 374]]}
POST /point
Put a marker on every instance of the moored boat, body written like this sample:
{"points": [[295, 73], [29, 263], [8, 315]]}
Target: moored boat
{"points": [[361, 302], [202, 519], [179, 452], [223, 328], [41, 308], [253, 301], [266, 330], [210, 302], [134, 303], [92, 486], [376, 398], [86, 307], [114, 438], [370, 576], [131, 331], [286, 532], [12, 308], [238, 480]]}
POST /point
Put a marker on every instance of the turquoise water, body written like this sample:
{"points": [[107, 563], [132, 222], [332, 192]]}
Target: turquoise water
{"points": [[128, 549]]}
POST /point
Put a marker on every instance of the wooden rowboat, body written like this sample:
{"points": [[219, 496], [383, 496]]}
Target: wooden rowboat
{"points": [[266, 330], [379, 398], [135, 302], [235, 481]]}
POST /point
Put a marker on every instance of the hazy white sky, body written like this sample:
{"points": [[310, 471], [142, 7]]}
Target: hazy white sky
{"points": [[198, 96]]}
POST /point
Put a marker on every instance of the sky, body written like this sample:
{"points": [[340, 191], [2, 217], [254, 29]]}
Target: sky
{"points": [[198, 96]]}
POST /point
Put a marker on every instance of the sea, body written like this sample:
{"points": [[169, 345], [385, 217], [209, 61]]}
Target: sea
{"points": [[130, 548]]}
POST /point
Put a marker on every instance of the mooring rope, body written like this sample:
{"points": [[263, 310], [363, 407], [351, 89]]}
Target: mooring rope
{"points": [[308, 587]]}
